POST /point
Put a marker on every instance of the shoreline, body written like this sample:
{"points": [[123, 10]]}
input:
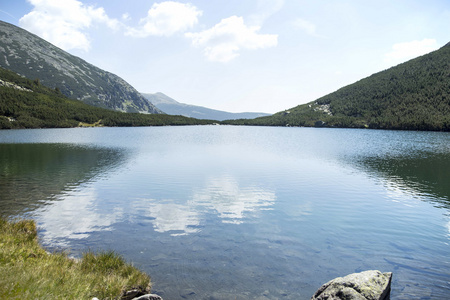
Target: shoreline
{"points": [[34, 273]]}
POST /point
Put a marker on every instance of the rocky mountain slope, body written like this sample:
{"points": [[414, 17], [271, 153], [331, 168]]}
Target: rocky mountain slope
{"points": [[172, 107], [34, 58], [414, 95]]}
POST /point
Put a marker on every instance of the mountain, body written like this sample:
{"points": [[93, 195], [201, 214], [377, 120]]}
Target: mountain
{"points": [[414, 95], [34, 58], [172, 107], [26, 103]]}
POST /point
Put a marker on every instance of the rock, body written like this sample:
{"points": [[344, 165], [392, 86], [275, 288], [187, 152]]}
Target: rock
{"points": [[134, 293], [149, 297], [368, 285]]}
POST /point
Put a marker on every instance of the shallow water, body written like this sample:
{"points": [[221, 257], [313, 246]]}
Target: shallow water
{"points": [[220, 212]]}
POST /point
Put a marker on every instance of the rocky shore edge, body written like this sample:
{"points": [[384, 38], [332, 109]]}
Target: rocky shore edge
{"points": [[34, 272], [367, 285]]}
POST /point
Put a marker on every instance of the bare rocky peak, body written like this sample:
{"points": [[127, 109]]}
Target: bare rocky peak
{"points": [[33, 57]]}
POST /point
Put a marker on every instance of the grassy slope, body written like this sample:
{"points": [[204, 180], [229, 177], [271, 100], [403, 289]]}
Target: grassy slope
{"points": [[46, 108], [414, 95], [29, 272]]}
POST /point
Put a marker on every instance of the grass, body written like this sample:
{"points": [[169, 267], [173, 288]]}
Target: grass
{"points": [[29, 272]]}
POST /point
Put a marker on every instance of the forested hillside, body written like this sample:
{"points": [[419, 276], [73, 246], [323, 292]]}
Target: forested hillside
{"points": [[414, 96], [27, 103]]}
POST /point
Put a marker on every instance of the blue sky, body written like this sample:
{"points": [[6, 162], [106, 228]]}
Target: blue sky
{"points": [[246, 55]]}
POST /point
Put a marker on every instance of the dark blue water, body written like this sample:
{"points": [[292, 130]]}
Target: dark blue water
{"points": [[223, 212]]}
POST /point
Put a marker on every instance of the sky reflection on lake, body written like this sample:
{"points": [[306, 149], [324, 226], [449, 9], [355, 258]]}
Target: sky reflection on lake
{"points": [[230, 201], [75, 215], [241, 212]]}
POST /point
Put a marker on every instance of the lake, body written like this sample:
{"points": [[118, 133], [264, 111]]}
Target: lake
{"points": [[224, 212]]}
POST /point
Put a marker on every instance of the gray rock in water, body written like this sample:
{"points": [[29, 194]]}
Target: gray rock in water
{"points": [[368, 285], [149, 297], [133, 293]]}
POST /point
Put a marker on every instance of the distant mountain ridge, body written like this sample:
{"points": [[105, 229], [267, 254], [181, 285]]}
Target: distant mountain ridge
{"points": [[35, 58], [414, 95], [173, 107]]}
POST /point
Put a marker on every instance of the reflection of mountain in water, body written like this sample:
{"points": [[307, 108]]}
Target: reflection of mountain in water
{"points": [[423, 174], [31, 173]]}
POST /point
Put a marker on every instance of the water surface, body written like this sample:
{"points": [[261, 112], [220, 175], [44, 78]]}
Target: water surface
{"points": [[220, 212]]}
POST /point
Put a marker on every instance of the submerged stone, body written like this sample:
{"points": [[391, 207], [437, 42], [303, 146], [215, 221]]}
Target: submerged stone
{"points": [[368, 285]]}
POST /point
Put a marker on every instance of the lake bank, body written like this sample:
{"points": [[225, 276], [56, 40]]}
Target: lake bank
{"points": [[33, 273]]}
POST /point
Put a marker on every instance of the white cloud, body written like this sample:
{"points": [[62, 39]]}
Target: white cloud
{"points": [[64, 22], [223, 42], [126, 17], [306, 26], [402, 52], [167, 18]]}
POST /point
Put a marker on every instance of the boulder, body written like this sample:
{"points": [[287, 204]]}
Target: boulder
{"points": [[133, 293], [149, 297], [137, 292], [368, 285]]}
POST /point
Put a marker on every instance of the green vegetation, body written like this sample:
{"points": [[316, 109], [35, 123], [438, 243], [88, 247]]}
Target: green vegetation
{"points": [[412, 96], [42, 107], [29, 272]]}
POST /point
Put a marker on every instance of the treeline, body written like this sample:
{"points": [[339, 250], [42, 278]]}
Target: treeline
{"points": [[413, 96], [48, 108]]}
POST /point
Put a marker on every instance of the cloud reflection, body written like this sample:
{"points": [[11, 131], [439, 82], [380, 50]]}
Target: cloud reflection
{"points": [[79, 213], [230, 201], [222, 195], [76, 216], [176, 218]]}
